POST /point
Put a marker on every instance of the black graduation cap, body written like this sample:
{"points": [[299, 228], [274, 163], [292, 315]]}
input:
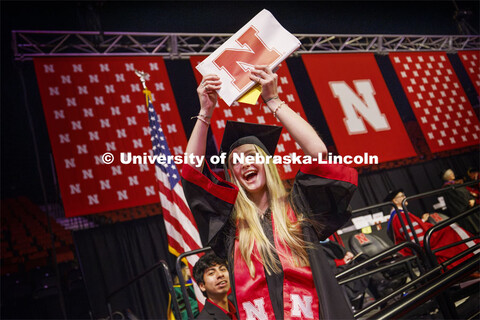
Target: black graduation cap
{"points": [[392, 194], [240, 133]]}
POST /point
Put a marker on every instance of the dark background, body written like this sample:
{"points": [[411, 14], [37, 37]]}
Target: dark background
{"points": [[25, 145]]}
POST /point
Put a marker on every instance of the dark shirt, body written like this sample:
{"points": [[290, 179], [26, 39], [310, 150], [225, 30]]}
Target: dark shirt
{"points": [[457, 199], [232, 313], [213, 311]]}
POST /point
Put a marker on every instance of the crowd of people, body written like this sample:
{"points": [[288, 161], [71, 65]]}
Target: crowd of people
{"points": [[271, 257]]}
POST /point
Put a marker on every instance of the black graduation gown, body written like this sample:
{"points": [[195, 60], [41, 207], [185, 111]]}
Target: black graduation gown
{"points": [[212, 312], [457, 203], [321, 192]]}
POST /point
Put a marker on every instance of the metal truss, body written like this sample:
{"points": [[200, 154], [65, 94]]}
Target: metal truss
{"points": [[29, 44]]}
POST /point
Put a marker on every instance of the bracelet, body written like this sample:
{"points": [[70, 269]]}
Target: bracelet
{"points": [[265, 101], [202, 118], [278, 108]]}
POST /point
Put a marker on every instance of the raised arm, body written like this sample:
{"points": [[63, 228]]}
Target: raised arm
{"points": [[207, 95], [301, 131]]}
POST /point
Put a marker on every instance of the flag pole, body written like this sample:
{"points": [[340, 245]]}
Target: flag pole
{"points": [[143, 76]]}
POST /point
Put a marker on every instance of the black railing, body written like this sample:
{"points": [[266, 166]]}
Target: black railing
{"points": [[390, 251], [386, 204], [178, 267], [424, 195], [419, 255], [429, 290], [432, 266], [168, 278], [441, 225]]}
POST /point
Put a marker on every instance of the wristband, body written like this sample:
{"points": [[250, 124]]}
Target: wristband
{"points": [[265, 101]]}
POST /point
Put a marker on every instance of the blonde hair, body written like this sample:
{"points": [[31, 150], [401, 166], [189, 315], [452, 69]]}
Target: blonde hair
{"points": [[250, 231], [448, 173]]}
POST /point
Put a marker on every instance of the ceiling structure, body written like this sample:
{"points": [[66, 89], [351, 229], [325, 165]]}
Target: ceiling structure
{"points": [[29, 44]]}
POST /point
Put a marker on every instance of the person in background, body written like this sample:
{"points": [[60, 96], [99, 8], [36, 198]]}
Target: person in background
{"points": [[211, 274], [459, 200], [336, 252], [472, 173], [474, 189], [179, 294], [340, 259], [443, 237]]}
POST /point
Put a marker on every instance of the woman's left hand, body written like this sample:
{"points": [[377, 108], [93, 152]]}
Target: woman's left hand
{"points": [[267, 79]]}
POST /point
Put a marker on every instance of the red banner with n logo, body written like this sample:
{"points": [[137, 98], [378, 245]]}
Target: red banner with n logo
{"points": [[471, 63], [357, 105], [95, 106], [438, 100]]}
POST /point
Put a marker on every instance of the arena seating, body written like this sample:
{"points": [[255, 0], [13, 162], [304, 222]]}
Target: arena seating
{"points": [[26, 241]]}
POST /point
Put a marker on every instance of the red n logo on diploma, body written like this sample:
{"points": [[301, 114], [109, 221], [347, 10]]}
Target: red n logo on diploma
{"points": [[262, 41], [236, 61]]}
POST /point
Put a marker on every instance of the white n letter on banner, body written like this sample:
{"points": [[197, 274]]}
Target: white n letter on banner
{"points": [[255, 312], [301, 306], [353, 106]]}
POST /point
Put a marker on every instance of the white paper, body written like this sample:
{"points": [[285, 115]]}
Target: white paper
{"points": [[361, 222], [272, 38], [377, 217]]}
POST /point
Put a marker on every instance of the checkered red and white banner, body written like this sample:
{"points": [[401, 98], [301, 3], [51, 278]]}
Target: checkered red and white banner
{"points": [[471, 63], [96, 105], [357, 105], [260, 113], [439, 103]]}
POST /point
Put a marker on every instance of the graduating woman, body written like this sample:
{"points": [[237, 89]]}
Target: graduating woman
{"points": [[270, 236]]}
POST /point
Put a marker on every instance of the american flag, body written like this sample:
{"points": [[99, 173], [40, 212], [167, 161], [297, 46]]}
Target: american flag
{"points": [[182, 232]]}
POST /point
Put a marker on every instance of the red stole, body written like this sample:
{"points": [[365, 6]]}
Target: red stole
{"points": [[300, 299]]}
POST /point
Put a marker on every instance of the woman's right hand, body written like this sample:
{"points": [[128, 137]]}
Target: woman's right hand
{"points": [[207, 93], [348, 257]]}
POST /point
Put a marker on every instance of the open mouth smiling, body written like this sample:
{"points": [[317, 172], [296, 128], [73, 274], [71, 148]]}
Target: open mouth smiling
{"points": [[250, 175], [222, 283]]}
